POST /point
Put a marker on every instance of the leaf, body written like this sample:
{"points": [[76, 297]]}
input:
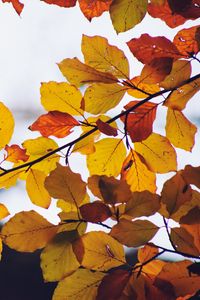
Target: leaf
{"points": [[10, 179], [99, 54], [156, 70], [108, 157], [159, 155], [113, 190], [136, 174], [15, 153], [139, 122], [146, 48], [142, 204], [94, 8], [78, 73], [36, 190], [175, 193], [101, 251], [62, 97], [54, 123], [191, 175], [183, 241], [113, 284], [3, 212], [181, 71], [6, 125], [177, 274], [185, 41], [126, 14], [58, 259], [101, 97], [194, 231], [141, 86], [18, 6], [62, 3], [146, 253], [64, 184], [86, 289], [194, 268], [28, 231], [106, 128], [95, 212], [179, 130], [179, 98], [134, 233]]}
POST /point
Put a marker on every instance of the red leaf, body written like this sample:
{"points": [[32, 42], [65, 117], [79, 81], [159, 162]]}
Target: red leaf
{"points": [[62, 3], [189, 9], [106, 128], [54, 123], [18, 6], [146, 48], [95, 212], [140, 121], [113, 285], [94, 8], [15, 153]]}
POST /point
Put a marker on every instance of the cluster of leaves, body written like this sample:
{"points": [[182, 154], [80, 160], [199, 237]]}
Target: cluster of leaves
{"points": [[123, 156]]}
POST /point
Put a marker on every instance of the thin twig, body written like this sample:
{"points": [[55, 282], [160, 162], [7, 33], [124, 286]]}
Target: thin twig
{"points": [[168, 233]]}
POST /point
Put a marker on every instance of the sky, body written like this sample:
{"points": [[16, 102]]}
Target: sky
{"points": [[31, 47]]}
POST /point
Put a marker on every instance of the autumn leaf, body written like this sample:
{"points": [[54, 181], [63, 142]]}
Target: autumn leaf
{"points": [[58, 259], [62, 3], [108, 157], [99, 54], [159, 155], [191, 175], [54, 123], [64, 184], [95, 212], [106, 128], [194, 231], [147, 252], [146, 48], [28, 231], [15, 153], [132, 11], [6, 125], [85, 289], [138, 86], [139, 122], [136, 173], [101, 251], [94, 8], [36, 190], [18, 6], [3, 212], [179, 130], [134, 233], [10, 179]]}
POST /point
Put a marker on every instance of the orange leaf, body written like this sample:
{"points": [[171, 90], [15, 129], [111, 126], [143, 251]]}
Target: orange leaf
{"points": [[192, 175], [140, 120], [147, 252], [15, 153], [62, 3], [194, 231], [18, 6], [54, 123], [106, 128], [185, 41], [112, 285], [95, 212], [146, 48], [94, 8]]}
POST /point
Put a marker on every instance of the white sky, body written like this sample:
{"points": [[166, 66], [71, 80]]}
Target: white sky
{"points": [[30, 47]]}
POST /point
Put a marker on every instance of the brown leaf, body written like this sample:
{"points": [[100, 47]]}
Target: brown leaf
{"points": [[95, 212], [192, 175], [106, 128]]}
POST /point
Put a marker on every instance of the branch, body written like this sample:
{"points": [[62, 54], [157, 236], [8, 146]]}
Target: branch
{"points": [[123, 113], [84, 221], [168, 233]]}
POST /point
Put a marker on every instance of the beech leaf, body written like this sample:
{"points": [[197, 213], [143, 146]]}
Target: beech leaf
{"points": [[6, 125]]}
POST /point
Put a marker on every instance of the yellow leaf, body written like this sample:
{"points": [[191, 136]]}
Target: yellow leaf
{"points": [[62, 183], [104, 57], [125, 14], [137, 175], [28, 231], [10, 179], [82, 285], [58, 259], [101, 251], [134, 233], [181, 71], [6, 125], [179, 130], [148, 88], [108, 157], [70, 225], [183, 241], [101, 97], [39, 147], [86, 145], [179, 98], [62, 97], [3, 211], [36, 190], [159, 155], [146, 253], [78, 73]]}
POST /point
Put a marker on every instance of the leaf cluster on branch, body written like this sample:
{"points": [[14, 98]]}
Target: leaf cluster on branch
{"points": [[123, 155]]}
